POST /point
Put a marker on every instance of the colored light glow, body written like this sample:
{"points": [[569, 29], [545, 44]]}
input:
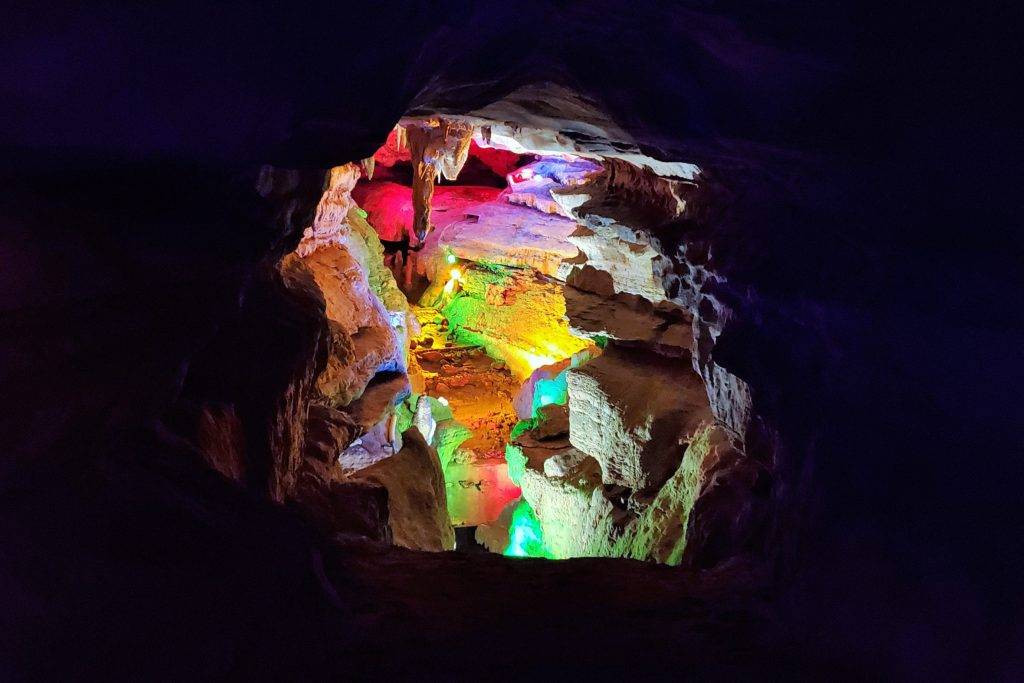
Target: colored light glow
{"points": [[451, 258], [548, 391], [454, 277], [476, 492], [515, 463], [531, 360], [525, 537]]}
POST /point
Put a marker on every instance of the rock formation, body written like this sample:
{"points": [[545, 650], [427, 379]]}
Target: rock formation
{"points": [[437, 147], [417, 507]]}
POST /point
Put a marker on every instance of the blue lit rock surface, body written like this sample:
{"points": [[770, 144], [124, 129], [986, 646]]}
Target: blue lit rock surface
{"points": [[538, 185]]}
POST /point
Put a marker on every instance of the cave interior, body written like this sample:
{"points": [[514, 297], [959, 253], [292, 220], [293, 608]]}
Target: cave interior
{"points": [[503, 292], [448, 341]]}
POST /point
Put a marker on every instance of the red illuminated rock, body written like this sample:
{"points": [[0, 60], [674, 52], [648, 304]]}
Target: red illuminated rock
{"points": [[389, 205]]}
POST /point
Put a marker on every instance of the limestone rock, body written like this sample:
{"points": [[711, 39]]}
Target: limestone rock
{"points": [[527, 451], [547, 118], [729, 515], [494, 535], [418, 514], [664, 328], [424, 420], [328, 431], [448, 436], [534, 185], [478, 488], [379, 399], [394, 148], [564, 463], [624, 253], [576, 518], [330, 221], [362, 340], [554, 422], [221, 439], [437, 146], [349, 299], [345, 507], [365, 246], [634, 412], [547, 383], [529, 332], [369, 449], [353, 360], [388, 206], [580, 518], [500, 232]]}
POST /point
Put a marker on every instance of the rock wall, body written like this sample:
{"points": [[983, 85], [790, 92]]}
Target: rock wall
{"points": [[582, 518], [633, 412], [661, 426], [315, 364]]}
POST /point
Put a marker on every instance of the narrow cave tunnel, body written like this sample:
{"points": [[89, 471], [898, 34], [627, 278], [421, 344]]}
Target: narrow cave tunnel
{"points": [[501, 291], [448, 341]]}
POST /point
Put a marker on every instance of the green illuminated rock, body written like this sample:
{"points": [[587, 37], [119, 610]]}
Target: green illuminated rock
{"points": [[525, 535]]}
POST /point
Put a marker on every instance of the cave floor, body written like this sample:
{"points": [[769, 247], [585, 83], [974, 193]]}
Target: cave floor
{"points": [[479, 391]]}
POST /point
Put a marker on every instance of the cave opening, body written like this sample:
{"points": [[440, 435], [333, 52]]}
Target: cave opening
{"points": [[538, 340]]}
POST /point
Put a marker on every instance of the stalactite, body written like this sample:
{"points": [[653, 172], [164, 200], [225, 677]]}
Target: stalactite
{"points": [[369, 163], [457, 137], [438, 147], [423, 172]]}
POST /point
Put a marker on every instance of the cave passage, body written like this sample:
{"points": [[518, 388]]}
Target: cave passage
{"points": [[490, 344], [548, 369]]}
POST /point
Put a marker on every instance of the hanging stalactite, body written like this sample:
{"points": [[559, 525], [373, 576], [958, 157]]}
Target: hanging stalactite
{"points": [[438, 147]]}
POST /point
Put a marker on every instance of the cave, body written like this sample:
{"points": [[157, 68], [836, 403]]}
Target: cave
{"points": [[445, 341], [503, 291]]}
